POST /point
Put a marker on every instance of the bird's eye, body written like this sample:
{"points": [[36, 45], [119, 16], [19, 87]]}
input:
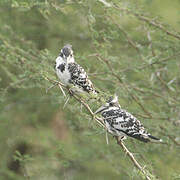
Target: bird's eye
{"points": [[111, 104]]}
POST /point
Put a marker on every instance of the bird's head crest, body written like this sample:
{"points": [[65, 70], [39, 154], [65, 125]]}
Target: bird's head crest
{"points": [[111, 102], [113, 99], [67, 53]]}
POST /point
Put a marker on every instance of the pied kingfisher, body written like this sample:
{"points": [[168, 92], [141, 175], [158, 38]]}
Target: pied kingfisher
{"points": [[71, 73], [120, 123]]}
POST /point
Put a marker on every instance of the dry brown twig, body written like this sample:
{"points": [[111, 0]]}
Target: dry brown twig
{"points": [[100, 122]]}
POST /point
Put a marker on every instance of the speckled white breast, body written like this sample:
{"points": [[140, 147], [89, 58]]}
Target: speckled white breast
{"points": [[65, 75]]}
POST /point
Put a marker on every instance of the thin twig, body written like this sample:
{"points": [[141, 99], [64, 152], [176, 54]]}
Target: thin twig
{"points": [[66, 102], [62, 89], [150, 43], [47, 90]]}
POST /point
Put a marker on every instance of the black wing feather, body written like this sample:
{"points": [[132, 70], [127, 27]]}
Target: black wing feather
{"points": [[122, 121], [80, 78]]}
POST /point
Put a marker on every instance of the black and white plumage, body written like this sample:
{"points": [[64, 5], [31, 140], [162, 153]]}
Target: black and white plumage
{"points": [[71, 73], [120, 123]]}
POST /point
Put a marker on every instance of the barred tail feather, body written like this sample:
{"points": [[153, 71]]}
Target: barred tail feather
{"points": [[154, 138], [145, 138], [141, 137]]}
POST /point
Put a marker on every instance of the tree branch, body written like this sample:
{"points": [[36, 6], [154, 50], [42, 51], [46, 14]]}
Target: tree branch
{"points": [[101, 123], [130, 155]]}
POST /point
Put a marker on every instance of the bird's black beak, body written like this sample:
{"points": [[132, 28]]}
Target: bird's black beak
{"points": [[102, 108]]}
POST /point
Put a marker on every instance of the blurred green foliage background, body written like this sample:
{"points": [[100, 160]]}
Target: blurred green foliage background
{"points": [[39, 139]]}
